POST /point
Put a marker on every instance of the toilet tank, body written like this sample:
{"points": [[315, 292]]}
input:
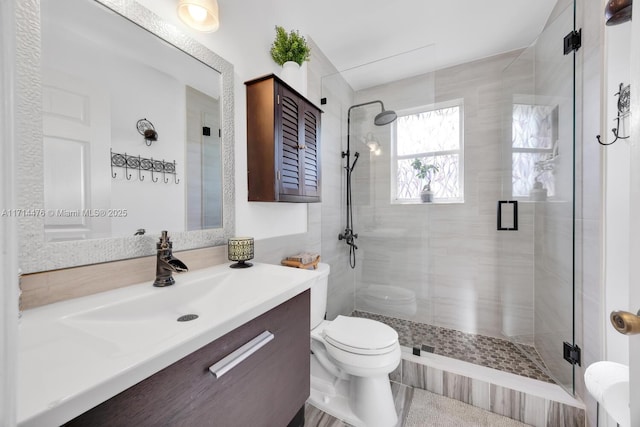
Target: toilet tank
{"points": [[319, 295]]}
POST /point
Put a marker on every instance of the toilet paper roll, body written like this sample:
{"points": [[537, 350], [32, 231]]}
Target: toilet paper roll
{"points": [[599, 377], [626, 323]]}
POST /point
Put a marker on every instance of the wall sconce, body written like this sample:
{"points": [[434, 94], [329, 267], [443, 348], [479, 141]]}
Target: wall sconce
{"points": [[240, 249], [201, 15], [146, 129]]}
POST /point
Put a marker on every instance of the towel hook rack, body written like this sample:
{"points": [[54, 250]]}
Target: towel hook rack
{"points": [[624, 103]]}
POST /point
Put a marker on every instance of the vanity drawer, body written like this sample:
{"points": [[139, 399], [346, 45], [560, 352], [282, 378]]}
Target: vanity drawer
{"points": [[266, 389]]}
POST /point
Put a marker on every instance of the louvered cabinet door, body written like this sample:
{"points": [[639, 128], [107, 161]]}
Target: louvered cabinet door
{"points": [[311, 151], [290, 162]]}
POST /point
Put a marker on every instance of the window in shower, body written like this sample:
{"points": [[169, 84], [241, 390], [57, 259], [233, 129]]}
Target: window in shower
{"points": [[433, 134], [534, 148]]}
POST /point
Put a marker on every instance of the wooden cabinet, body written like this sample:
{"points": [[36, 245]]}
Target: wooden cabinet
{"points": [[267, 389], [283, 143]]}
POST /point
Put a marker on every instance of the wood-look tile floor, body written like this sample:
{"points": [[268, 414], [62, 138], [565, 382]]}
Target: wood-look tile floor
{"points": [[402, 395]]}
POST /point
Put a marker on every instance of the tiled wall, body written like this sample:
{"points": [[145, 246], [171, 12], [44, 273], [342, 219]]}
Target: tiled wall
{"points": [[465, 274], [338, 96], [553, 273]]}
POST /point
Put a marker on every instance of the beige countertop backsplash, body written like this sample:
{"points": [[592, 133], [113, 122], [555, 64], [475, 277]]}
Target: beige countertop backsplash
{"points": [[47, 287]]}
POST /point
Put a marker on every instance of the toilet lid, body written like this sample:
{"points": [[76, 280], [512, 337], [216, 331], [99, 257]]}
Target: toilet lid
{"points": [[362, 336]]}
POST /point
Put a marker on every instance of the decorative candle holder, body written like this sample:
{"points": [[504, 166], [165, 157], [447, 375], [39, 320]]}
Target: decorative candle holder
{"points": [[241, 250]]}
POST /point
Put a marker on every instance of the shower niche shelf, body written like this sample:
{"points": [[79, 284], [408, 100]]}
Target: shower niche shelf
{"points": [[283, 143]]}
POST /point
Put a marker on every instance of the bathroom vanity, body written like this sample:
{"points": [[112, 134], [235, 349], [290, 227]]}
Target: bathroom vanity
{"points": [[121, 357]]}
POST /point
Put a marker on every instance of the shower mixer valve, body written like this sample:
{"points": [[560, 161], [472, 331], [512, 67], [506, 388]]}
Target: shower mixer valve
{"points": [[349, 237]]}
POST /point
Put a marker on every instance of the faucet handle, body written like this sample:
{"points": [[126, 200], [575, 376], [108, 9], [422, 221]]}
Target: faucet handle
{"points": [[164, 242]]}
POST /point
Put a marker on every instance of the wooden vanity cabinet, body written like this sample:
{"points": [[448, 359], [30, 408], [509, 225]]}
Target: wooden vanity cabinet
{"points": [[283, 143], [268, 389]]}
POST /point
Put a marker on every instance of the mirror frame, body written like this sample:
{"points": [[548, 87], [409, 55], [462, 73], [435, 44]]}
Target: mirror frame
{"points": [[35, 253]]}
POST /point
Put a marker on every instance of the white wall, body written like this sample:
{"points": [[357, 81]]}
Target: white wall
{"points": [[617, 173], [285, 228], [8, 234]]}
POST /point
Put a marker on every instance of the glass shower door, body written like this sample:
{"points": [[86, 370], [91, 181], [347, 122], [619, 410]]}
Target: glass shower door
{"points": [[537, 253]]}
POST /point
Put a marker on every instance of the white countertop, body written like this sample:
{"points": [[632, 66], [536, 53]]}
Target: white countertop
{"points": [[75, 354]]}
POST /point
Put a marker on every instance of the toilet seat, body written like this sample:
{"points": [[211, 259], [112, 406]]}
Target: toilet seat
{"points": [[361, 336]]}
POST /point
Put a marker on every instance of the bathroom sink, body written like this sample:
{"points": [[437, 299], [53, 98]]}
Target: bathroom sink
{"points": [[152, 316], [99, 345], [186, 296]]}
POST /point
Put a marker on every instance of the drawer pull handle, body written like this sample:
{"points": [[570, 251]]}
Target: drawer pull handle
{"points": [[233, 359]]}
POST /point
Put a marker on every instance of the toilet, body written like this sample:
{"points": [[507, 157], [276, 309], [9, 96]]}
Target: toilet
{"points": [[351, 359]]}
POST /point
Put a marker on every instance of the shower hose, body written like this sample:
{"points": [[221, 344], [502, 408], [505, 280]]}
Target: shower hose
{"points": [[348, 234]]}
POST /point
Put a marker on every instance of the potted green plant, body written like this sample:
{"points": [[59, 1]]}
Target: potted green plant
{"points": [[425, 171], [289, 46], [290, 50]]}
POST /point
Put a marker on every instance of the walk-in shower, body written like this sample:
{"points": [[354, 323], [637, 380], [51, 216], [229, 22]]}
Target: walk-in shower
{"points": [[381, 119], [444, 264]]}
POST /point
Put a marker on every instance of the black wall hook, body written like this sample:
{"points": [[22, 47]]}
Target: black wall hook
{"points": [[142, 165], [624, 100]]}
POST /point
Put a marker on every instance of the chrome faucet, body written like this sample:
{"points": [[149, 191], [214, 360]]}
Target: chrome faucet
{"points": [[166, 263]]}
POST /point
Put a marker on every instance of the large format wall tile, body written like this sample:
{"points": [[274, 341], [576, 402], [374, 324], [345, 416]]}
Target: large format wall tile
{"points": [[449, 255]]}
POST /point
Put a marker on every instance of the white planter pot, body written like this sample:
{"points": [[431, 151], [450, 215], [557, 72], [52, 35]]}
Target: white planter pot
{"points": [[295, 75]]}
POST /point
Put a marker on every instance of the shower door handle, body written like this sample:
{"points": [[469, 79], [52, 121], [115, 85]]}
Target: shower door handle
{"points": [[513, 226]]}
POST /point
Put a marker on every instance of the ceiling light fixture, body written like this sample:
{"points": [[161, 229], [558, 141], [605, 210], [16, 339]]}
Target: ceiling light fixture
{"points": [[201, 15]]}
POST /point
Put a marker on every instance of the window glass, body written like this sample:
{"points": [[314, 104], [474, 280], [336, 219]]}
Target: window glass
{"points": [[533, 148], [433, 135]]}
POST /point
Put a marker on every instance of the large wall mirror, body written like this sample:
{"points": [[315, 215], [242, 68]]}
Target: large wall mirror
{"points": [[129, 126]]}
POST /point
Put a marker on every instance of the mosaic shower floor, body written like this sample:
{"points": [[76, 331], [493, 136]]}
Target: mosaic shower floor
{"points": [[481, 350]]}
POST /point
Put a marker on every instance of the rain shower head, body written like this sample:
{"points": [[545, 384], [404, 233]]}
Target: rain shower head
{"points": [[385, 117]]}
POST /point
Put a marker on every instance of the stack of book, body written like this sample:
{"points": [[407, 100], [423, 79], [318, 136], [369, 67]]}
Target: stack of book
{"points": [[302, 260]]}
